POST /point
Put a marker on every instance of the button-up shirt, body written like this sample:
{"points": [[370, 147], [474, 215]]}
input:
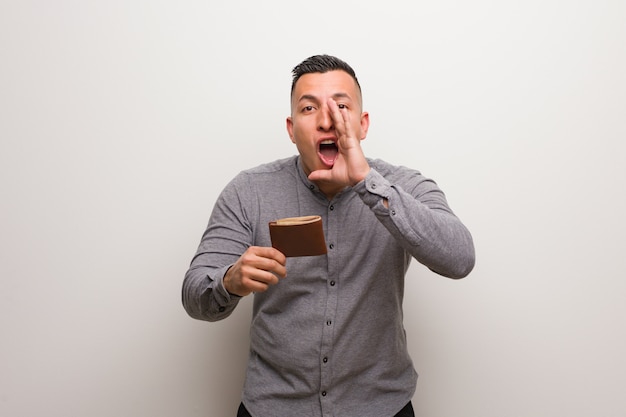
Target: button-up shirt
{"points": [[328, 340]]}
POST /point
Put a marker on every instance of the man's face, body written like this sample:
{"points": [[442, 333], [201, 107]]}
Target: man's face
{"points": [[311, 126]]}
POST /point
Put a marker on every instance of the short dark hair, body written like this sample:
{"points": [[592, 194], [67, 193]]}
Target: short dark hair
{"points": [[321, 64]]}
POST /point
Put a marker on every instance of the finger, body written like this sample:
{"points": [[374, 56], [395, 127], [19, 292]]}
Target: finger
{"points": [[267, 259], [338, 118], [259, 276], [341, 120], [277, 269], [335, 112], [273, 260], [269, 253], [252, 285]]}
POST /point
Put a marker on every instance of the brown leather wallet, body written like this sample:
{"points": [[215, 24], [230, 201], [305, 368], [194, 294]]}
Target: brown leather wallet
{"points": [[298, 236]]}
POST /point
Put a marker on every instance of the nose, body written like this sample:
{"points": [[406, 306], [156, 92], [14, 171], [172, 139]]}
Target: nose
{"points": [[325, 121]]}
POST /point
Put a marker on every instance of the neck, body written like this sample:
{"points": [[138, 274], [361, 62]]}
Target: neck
{"points": [[329, 189]]}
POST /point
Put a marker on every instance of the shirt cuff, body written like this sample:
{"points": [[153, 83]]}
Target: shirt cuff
{"points": [[223, 297], [373, 189]]}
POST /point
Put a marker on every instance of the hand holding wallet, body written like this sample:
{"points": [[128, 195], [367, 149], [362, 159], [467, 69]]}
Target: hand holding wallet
{"points": [[298, 236]]}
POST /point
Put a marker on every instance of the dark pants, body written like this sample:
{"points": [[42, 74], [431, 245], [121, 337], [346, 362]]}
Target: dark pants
{"points": [[407, 411]]}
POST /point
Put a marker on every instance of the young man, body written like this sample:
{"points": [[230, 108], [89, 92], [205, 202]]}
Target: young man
{"points": [[327, 337]]}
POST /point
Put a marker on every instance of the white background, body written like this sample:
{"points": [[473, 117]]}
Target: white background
{"points": [[121, 121]]}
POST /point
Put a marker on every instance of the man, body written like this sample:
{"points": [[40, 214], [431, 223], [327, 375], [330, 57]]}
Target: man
{"points": [[327, 337]]}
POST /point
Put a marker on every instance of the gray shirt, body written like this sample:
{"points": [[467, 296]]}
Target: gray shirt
{"points": [[328, 340]]}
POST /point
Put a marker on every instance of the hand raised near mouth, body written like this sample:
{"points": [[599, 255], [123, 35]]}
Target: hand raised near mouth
{"points": [[350, 166]]}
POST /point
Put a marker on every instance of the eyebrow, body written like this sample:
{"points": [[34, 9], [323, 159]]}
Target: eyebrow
{"points": [[316, 99]]}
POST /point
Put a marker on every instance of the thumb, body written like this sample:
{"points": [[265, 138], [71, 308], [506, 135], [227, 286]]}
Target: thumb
{"points": [[321, 175]]}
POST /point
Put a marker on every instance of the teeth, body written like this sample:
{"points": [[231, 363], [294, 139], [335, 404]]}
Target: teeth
{"points": [[327, 142]]}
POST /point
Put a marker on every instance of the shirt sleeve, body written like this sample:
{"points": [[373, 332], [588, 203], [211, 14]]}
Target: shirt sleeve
{"points": [[417, 214], [226, 237], [204, 296]]}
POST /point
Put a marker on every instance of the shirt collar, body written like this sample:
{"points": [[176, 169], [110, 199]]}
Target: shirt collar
{"points": [[310, 184], [304, 178]]}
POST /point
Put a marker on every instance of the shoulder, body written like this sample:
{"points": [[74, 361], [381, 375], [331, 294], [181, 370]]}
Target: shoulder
{"points": [[387, 169], [410, 179], [285, 165], [271, 174]]}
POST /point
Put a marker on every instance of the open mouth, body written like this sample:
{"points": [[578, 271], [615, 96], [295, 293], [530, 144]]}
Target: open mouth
{"points": [[328, 152]]}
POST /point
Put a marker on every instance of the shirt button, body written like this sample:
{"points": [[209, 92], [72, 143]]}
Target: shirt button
{"points": [[332, 283], [393, 212], [323, 393], [325, 359], [332, 246], [311, 187], [222, 309], [329, 322], [373, 185], [331, 207]]}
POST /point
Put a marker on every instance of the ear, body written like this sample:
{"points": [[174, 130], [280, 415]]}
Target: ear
{"points": [[289, 123], [365, 124]]}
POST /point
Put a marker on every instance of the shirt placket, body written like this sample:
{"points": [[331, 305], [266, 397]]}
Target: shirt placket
{"points": [[332, 283]]}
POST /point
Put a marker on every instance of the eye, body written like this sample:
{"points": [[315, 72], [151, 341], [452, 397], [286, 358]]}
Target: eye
{"points": [[342, 106], [307, 109]]}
